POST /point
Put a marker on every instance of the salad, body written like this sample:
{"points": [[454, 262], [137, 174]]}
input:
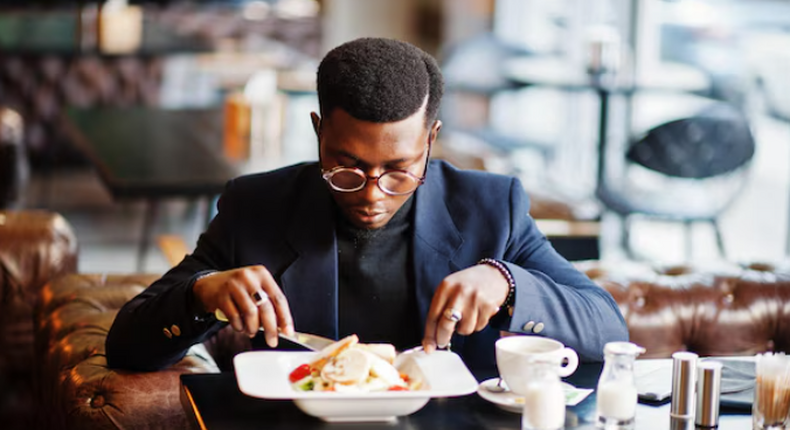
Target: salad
{"points": [[350, 366]]}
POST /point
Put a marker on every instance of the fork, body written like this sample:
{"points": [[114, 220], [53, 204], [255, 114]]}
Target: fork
{"points": [[420, 348]]}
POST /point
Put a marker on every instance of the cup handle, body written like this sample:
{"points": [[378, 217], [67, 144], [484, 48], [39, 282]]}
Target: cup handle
{"points": [[573, 362]]}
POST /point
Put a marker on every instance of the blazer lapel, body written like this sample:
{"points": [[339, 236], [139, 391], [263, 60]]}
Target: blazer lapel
{"points": [[310, 281], [436, 240]]}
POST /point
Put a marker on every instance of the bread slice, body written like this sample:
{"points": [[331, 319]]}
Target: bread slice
{"points": [[383, 350]]}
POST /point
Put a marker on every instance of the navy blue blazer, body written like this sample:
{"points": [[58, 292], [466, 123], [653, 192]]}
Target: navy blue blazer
{"points": [[284, 220]]}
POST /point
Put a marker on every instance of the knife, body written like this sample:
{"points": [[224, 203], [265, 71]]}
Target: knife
{"points": [[299, 341]]}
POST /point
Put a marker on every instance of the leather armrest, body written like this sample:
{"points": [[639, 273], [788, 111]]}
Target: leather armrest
{"points": [[74, 384], [35, 247], [93, 396]]}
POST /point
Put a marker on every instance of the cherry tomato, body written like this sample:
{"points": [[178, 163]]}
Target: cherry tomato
{"points": [[397, 388], [299, 373]]}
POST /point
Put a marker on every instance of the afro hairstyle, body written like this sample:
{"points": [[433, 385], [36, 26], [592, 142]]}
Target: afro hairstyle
{"points": [[379, 80]]}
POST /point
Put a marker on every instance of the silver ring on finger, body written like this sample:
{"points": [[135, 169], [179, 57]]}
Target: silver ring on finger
{"points": [[260, 298], [452, 314]]}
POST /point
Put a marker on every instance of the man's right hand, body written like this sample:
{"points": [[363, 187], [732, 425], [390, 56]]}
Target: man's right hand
{"points": [[233, 292]]}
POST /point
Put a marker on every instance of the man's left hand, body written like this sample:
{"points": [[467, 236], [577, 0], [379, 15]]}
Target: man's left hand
{"points": [[464, 302]]}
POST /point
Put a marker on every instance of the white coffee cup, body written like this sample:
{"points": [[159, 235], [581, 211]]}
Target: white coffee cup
{"points": [[515, 353]]}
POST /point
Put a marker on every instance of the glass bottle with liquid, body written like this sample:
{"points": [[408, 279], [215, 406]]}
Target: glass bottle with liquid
{"points": [[616, 394], [544, 397]]}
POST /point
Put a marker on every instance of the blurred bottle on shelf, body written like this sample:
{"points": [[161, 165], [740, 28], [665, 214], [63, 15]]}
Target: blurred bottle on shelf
{"points": [[120, 27], [236, 139]]}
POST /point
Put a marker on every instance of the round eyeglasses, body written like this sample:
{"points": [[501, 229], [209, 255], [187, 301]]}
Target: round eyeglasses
{"points": [[352, 179]]}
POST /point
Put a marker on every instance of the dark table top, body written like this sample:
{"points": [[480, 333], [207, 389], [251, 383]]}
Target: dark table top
{"points": [[153, 153], [220, 405]]}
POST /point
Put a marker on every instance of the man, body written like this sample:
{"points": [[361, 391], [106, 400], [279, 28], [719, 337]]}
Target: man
{"points": [[374, 239]]}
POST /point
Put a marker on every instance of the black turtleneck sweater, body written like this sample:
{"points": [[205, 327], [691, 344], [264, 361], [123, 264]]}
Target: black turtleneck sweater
{"points": [[376, 294]]}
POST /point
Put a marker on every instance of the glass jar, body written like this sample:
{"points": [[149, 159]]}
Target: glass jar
{"points": [[544, 397], [616, 394]]}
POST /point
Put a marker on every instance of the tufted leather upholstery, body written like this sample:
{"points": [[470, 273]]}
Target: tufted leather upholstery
{"points": [[74, 384], [34, 248], [72, 313], [727, 310]]}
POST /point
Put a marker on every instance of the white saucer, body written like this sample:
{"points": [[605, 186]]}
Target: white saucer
{"points": [[508, 400]]}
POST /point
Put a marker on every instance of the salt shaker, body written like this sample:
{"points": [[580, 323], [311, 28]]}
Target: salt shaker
{"points": [[616, 393], [544, 398], [684, 371]]}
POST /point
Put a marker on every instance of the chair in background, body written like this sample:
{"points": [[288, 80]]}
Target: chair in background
{"points": [[688, 170]]}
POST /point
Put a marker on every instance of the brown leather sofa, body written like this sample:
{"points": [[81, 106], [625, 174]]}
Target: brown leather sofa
{"points": [[713, 311], [53, 323], [728, 310], [34, 248]]}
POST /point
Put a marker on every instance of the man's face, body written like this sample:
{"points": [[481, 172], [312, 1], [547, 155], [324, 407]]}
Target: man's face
{"points": [[374, 148]]}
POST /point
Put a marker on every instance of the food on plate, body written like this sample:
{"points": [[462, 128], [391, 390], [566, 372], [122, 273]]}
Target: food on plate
{"points": [[350, 366]]}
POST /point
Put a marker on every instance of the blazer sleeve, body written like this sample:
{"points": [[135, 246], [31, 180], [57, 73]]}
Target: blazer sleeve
{"points": [[157, 327], [553, 298]]}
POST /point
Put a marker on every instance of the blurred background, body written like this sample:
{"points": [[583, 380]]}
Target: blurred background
{"points": [[643, 129]]}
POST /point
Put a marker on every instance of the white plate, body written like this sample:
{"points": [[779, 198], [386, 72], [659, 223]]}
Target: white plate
{"points": [[264, 374], [512, 402]]}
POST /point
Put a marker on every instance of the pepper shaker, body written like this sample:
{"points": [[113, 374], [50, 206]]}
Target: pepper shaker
{"points": [[684, 367], [708, 393]]}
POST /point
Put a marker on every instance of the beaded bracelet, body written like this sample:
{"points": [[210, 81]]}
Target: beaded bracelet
{"points": [[511, 294], [203, 317]]}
